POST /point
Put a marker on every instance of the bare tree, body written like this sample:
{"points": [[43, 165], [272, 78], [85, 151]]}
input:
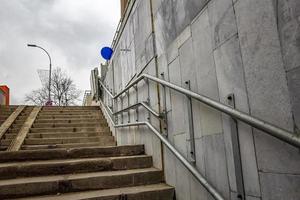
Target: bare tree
{"points": [[63, 91]]}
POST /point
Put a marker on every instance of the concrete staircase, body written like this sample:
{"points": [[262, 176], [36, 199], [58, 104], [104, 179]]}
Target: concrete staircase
{"points": [[69, 153]]}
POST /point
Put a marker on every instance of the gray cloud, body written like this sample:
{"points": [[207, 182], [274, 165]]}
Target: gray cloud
{"points": [[71, 30]]}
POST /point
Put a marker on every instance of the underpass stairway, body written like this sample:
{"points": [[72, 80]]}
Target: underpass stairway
{"points": [[69, 153]]}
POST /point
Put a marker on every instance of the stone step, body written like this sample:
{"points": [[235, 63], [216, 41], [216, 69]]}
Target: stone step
{"points": [[66, 146], [70, 117], [69, 129], [21, 118], [69, 120], [71, 108], [7, 107], [9, 136], [5, 113], [83, 152], [56, 141], [46, 185], [69, 114], [4, 116], [68, 111], [146, 192], [53, 125], [62, 130], [19, 121], [65, 134], [67, 166]]}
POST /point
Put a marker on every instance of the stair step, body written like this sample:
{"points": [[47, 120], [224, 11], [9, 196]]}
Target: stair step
{"points": [[37, 141], [69, 111], [67, 146], [44, 185], [66, 134], [71, 108], [70, 140], [67, 166], [19, 121], [83, 152], [70, 129], [53, 125], [72, 121], [70, 117], [146, 192], [41, 114]]}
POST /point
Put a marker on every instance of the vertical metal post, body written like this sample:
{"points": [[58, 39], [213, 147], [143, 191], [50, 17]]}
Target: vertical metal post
{"points": [[136, 101], [191, 125], [122, 118], [236, 153], [115, 106], [164, 111], [128, 104], [111, 101], [148, 99]]}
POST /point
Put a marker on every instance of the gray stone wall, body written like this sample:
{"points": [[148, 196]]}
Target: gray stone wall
{"points": [[249, 48]]}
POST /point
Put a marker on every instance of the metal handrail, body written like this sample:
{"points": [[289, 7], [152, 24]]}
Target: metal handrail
{"points": [[178, 155], [260, 124], [143, 104]]}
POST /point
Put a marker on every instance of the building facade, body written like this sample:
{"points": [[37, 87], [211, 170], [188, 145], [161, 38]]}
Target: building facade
{"points": [[4, 95]]}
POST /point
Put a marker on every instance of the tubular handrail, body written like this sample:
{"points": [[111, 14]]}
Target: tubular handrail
{"points": [[178, 155], [143, 104], [260, 124]]}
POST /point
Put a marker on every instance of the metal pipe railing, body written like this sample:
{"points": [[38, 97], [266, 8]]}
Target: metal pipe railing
{"points": [[273, 130], [143, 104], [177, 154]]}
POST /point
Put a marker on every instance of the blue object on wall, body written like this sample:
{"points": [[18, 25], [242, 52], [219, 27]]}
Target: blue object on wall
{"points": [[106, 53]]}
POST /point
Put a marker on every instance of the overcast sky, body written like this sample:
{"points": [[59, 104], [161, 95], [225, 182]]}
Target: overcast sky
{"points": [[72, 31]]}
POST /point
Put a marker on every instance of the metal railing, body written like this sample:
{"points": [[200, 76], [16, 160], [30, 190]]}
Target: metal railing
{"points": [[178, 155], [262, 125]]}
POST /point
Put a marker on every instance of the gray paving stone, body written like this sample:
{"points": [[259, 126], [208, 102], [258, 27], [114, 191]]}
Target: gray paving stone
{"points": [[276, 156], [169, 163], [264, 72], [187, 65], [293, 77], [164, 21], [215, 163], [280, 186], [200, 155], [222, 20], [230, 74], [181, 144], [289, 31], [203, 56], [182, 181], [198, 192]]}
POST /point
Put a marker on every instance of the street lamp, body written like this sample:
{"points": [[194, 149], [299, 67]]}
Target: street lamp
{"points": [[49, 96]]}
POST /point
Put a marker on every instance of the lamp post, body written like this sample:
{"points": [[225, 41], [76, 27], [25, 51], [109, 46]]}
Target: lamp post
{"points": [[49, 94]]}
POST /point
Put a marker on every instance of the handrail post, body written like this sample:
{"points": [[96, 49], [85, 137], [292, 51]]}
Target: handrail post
{"points": [[115, 106], [192, 152], [122, 117], [235, 143], [136, 101], [164, 111], [128, 104], [148, 97]]}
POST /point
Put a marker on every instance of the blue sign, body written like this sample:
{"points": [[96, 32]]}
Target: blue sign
{"points": [[106, 53]]}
